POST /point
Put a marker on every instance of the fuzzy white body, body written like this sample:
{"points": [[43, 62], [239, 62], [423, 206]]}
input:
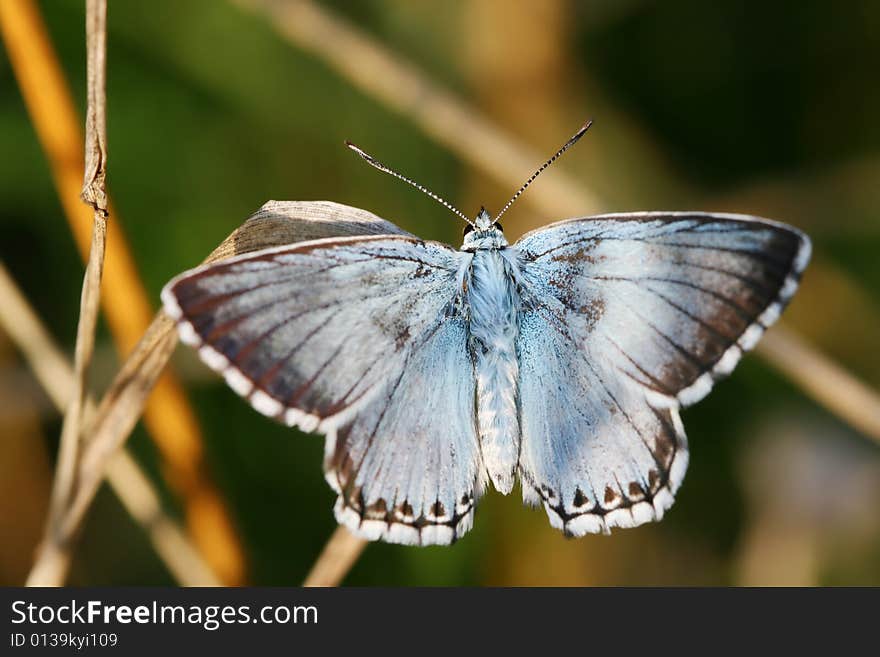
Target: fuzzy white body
{"points": [[493, 309]]}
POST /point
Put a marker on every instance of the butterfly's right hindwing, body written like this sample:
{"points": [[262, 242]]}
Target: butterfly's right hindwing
{"points": [[360, 339]]}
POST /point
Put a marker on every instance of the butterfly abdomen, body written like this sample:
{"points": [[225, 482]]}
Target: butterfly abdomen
{"points": [[492, 303]]}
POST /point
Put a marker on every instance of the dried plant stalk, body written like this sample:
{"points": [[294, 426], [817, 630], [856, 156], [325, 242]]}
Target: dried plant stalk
{"points": [[169, 418], [119, 411], [48, 362], [94, 194], [94, 190], [336, 559], [823, 380], [172, 545]]}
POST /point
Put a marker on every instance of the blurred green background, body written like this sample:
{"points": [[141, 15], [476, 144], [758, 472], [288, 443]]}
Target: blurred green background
{"points": [[755, 107]]}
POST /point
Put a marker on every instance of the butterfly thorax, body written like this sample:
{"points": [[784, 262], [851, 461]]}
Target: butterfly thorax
{"points": [[492, 301]]}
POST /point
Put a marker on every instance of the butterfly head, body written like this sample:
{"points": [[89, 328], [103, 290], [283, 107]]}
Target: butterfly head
{"points": [[483, 233], [483, 220]]}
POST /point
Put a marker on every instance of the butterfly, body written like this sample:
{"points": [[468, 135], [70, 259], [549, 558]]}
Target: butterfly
{"points": [[561, 360]]}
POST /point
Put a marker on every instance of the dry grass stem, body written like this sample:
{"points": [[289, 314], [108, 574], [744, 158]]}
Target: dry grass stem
{"points": [[169, 539], [336, 559], [168, 416], [94, 190], [118, 412], [824, 381], [94, 194], [48, 362], [126, 479]]}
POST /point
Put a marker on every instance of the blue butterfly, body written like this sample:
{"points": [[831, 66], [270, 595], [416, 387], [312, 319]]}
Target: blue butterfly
{"points": [[561, 360]]}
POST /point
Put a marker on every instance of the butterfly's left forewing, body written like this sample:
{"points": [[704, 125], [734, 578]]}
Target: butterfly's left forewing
{"points": [[357, 338], [624, 319]]}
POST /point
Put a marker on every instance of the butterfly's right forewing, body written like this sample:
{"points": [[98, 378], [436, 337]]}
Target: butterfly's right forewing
{"points": [[361, 338]]}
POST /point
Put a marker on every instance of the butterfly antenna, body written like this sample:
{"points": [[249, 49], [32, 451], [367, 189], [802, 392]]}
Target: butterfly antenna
{"points": [[376, 163], [571, 142]]}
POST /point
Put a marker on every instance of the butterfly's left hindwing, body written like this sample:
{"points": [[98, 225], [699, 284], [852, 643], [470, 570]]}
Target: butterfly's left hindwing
{"points": [[624, 319], [356, 338]]}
